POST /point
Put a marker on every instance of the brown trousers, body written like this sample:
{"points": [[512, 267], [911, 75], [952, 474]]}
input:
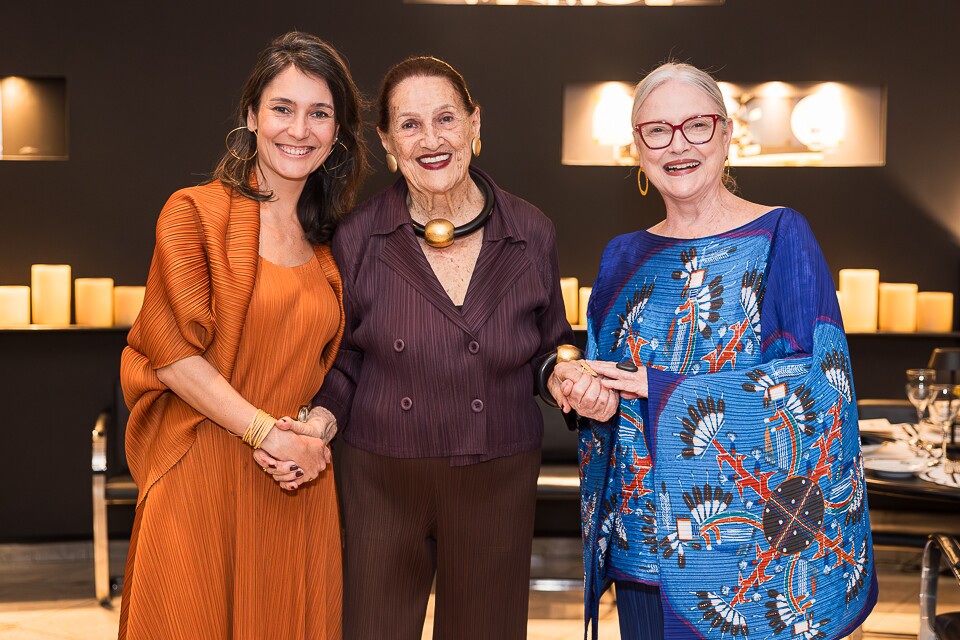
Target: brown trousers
{"points": [[406, 520]]}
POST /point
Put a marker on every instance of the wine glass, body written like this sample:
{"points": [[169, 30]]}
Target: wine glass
{"points": [[918, 389], [943, 403]]}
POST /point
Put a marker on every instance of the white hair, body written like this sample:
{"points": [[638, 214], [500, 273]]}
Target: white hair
{"points": [[681, 72]]}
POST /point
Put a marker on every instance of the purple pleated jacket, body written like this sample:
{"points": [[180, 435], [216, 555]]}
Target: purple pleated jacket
{"points": [[416, 376]]}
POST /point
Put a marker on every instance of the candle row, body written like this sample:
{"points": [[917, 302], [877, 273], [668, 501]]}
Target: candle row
{"points": [[575, 299], [866, 305], [47, 300]]}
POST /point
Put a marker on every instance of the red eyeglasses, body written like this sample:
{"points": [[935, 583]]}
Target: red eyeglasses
{"points": [[697, 130]]}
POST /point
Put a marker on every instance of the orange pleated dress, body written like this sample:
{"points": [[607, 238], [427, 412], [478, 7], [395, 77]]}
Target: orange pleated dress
{"points": [[218, 549]]}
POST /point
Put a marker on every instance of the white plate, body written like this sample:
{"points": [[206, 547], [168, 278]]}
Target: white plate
{"points": [[936, 474], [896, 467]]}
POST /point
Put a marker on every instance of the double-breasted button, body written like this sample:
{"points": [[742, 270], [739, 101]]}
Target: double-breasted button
{"points": [[476, 406], [399, 345], [406, 403], [473, 347]]}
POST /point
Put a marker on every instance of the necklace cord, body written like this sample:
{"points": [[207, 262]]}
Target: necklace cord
{"points": [[478, 222]]}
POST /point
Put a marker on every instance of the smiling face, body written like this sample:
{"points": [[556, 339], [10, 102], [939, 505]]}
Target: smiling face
{"points": [[430, 133], [682, 171], [295, 127]]}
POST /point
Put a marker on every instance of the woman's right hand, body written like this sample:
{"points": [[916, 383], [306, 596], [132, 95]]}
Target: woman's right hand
{"points": [[575, 389], [320, 424], [292, 458]]}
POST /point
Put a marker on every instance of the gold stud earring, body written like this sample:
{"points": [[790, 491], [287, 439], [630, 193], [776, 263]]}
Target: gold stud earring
{"points": [[645, 185], [392, 165], [475, 146]]}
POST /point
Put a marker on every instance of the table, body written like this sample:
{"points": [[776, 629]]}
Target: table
{"points": [[905, 510]]}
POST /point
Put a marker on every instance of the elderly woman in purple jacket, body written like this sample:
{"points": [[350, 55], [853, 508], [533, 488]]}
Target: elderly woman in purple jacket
{"points": [[452, 300]]}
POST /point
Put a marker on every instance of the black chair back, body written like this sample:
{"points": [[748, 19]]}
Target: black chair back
{"points": [[895, 411], [116, 439], [946, 362]]}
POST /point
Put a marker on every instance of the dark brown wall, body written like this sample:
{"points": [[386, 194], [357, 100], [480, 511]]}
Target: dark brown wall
{"points": [[151, 91]]}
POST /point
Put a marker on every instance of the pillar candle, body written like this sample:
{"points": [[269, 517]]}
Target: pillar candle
{"points": [[126, 305], [935, 311], [584, 299], [50, 285], [14, 306], [897, 307], [859, 290], [94, 301], [568, 286]]}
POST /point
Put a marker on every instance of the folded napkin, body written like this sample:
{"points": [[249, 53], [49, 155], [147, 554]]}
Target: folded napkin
{"points": [[898, 450], [880, 427]]}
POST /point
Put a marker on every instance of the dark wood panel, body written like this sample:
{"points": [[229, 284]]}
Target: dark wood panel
{"points": [[53, 384], [880, 360]]}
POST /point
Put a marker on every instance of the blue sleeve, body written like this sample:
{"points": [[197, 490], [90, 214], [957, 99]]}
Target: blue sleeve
{"points": [[782, 432]]}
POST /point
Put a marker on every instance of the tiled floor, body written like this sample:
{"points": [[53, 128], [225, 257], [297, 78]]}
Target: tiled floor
{"points": [[46, 593]]}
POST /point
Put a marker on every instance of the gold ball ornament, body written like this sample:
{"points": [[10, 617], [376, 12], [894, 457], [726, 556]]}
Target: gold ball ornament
{"points": [[572, 353], [568, 352], [438, 233]]}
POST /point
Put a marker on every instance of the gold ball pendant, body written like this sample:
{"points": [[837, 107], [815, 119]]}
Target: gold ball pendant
{"points": [[438, 233]]}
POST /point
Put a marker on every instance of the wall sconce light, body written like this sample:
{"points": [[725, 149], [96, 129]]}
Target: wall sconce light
{"points": [[33, 118], [611, 121], [827, 124], [596, 124], [819, 120], [774, 124]]}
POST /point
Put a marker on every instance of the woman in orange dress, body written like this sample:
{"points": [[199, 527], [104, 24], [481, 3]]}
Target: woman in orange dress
{"points": [[242, 319]]}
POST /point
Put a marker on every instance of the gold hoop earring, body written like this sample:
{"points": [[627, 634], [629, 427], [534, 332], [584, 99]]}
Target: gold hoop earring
{"points": [[475, 146], [645, 185], [392, 165], [230, 148], [346, 153]]}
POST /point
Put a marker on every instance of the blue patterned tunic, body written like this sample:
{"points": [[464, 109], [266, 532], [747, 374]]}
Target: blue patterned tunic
{"points": [[737, 487]]}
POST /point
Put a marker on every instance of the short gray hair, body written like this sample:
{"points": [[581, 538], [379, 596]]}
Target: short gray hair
{"points": [[686, 73]]}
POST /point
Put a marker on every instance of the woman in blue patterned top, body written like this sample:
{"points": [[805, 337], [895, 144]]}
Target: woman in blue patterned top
{"points": [[725, 496]]}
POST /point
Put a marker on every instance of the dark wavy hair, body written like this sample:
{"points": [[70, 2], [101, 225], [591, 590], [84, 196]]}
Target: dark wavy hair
{"points": [[420, 67], [331, 190]]}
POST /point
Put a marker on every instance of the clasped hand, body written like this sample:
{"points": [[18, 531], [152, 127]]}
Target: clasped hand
{"points": [[295, 452], [595, 397]]}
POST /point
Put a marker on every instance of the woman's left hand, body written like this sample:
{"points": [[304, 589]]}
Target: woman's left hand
{"points": [[630, 384]]}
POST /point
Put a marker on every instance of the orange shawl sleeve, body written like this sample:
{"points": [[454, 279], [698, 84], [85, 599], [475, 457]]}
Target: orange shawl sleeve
{"points": [[198, 291]]}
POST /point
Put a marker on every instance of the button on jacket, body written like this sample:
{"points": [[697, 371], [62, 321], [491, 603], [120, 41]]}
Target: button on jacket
{"points": [[418, 377]]}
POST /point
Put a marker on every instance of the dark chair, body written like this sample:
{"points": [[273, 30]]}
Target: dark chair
{"points": [[896, 411], [558, 502], [946, 362], [112, 485], [945, 626]]}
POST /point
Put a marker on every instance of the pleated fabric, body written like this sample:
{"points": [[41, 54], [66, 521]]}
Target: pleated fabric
{"points": [[218, 549], [418, 378], [737, 484], [408, 519]]}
